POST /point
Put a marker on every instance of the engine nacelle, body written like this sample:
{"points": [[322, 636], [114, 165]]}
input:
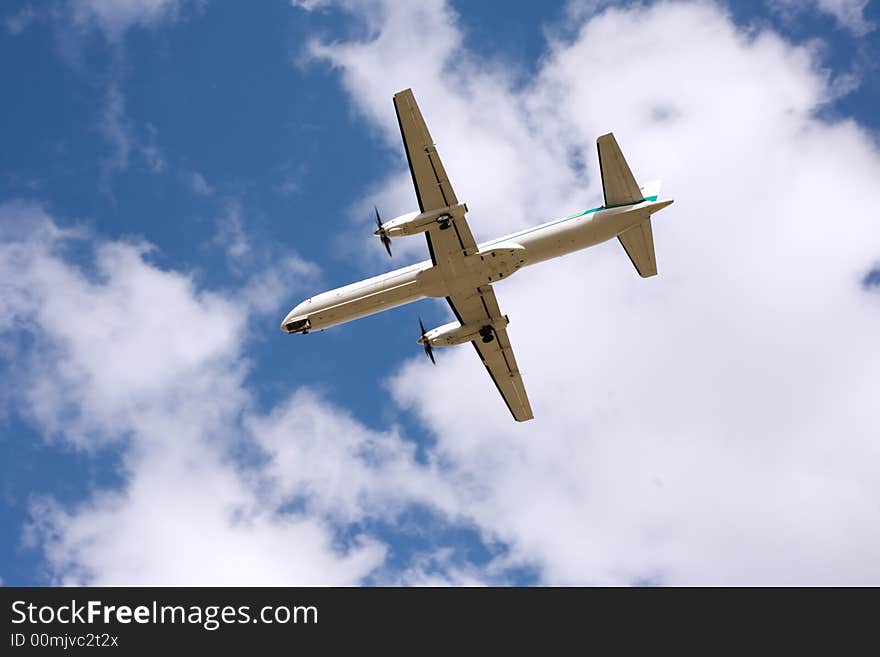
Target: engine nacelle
{"points": [[413, 223], [456, 333]]}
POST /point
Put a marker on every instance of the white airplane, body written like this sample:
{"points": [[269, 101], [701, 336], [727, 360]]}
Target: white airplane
{"points": [[463, 271]]}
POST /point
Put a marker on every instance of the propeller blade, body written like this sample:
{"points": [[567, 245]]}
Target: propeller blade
{"points": [[386, 241], [429, 351]]}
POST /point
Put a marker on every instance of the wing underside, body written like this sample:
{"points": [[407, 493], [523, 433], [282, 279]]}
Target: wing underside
{"points": [[497, 355], [432, 187], [448, 248]]}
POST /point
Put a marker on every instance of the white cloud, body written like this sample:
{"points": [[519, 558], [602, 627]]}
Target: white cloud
{"points": [[152, 154], [75, 22], [849, 14], [127, 356], [113, 346], [115, 18], [188, 518], [117, 129], [288, 185], [198, 184], [339, 467], [230, 233], [20, 20], [440, 569], [716, 424]]}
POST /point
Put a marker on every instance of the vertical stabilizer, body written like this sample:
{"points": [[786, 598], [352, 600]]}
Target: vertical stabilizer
{"points": [[621, 189], [618, 183]]}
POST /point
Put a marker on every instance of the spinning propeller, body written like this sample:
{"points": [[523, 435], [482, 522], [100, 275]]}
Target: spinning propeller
{"points": [[425, 343], [386, 241]]}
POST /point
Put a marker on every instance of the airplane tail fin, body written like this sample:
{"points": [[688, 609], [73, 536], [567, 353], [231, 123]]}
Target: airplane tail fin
{"points": [[620, 188], [618, 183]]}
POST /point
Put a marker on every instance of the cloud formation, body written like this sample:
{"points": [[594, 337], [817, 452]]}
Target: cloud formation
{"points": [[126, 354], [115, 18], [197, 183], [713, 425], [849, 14]]}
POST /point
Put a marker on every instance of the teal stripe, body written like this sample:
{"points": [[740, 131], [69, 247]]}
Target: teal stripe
{"points": [[568, 218]]}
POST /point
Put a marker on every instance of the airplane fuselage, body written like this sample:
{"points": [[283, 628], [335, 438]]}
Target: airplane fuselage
{"points": [[493, 261]]}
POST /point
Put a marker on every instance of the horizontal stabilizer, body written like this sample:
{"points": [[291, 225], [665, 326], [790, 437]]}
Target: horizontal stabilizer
{"points": [[638, 242], [618, 183]]}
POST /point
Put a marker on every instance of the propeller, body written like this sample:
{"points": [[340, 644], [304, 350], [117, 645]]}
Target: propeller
{"points": [[426, 343], [386, 241]]}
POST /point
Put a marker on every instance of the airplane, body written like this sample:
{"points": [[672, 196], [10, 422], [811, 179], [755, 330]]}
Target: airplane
{"points": [[463, 271]]}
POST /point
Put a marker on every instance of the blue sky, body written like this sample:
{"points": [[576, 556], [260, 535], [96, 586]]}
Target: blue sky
{"points": [[247, 144]]}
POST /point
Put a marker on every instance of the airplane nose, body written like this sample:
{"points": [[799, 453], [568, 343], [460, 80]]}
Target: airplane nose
{"points": [[296, 326], [297, 320], [288, 320]]}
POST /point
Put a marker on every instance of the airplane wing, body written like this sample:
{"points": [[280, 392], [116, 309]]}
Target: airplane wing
{"points": [[433, 189], [448, 248], [496, 355]]}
